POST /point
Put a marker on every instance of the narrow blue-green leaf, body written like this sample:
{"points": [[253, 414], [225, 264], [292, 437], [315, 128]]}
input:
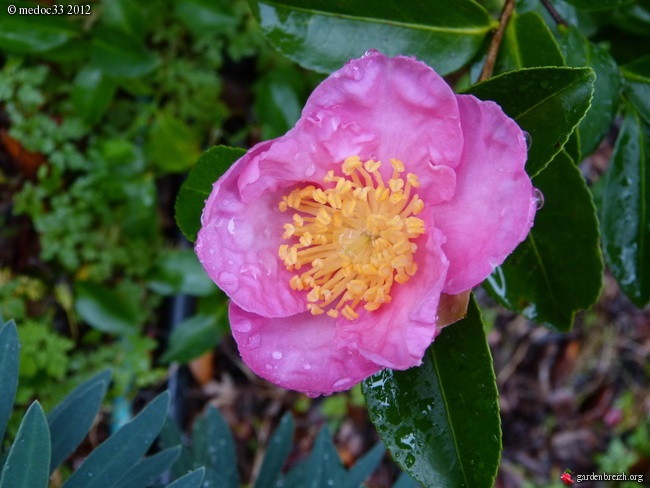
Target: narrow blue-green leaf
{"points": [[599, 4], [276, 453], [626, 210], [558, 269], [440, 421], [364, 467], [548, 103], [197, 187], [9, 362], [104, 467], [323, 35], [637, 85], [190, 480], [149, 469], [92, 92], [216, 448], [578, 52], [179, 271], [324, 466], [71, 419], [27, 465], [405, 481], [170, 436], [106, 309]]}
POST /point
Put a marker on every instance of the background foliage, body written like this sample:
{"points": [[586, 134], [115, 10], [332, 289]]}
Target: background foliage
{"points": [[101, 115]]}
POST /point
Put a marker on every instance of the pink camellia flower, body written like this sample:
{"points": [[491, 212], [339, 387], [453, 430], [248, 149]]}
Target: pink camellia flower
{"points": [[336, 241]]}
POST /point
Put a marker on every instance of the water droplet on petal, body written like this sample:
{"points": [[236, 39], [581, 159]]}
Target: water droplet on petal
{"points": [[341, 383], [242, 325], [539, 198], [370, 52], [307, 367], [529, 140], [250, 270], [310, 169], [276, 355]]}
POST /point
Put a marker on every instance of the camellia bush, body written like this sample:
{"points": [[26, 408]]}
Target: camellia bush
{"points": [[350, 245]]}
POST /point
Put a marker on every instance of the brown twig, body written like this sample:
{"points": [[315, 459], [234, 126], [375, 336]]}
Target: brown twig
{"points": [[488, 67], [554, 13]]}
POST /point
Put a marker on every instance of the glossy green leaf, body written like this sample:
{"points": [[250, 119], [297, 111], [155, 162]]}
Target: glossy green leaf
{"points": [[364, 467], [626, 210], [599, 4], [558, 269], [323, 35], [149, 469], [440, 421], [277, 452], [29, 34], [92, 92], [27, 465], [106, 309], [194, 336], [528, 43], [201, 16], [180, 272], [71, 419], [173, 146], [197, 187], [277, 102], [9, 364], [190, 480], [214, 448], [120, 55], [548, 103], [637, 85], [104, 467], [582, 19], [579, 52]]}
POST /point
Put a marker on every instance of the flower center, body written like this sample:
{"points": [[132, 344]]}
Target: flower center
{"points": [[355, 237]]}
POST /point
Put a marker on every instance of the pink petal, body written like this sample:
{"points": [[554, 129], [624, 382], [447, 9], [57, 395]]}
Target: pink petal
{"points": [[404, 109], [298, 352], [493, 208], [238, 246]]}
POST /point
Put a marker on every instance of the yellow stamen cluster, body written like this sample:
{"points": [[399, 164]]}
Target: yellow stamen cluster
{"points": [[355, 237]]}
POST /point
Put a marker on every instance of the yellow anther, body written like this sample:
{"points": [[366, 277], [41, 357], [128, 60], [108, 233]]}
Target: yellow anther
{"points": [[371, 165], [354, 236], [351, 164], [413, 180], [396, 184], [397, 165]]}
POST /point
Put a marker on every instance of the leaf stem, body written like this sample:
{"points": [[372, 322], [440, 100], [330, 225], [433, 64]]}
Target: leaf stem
{"points": [[493, 51], [554, 13]]}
